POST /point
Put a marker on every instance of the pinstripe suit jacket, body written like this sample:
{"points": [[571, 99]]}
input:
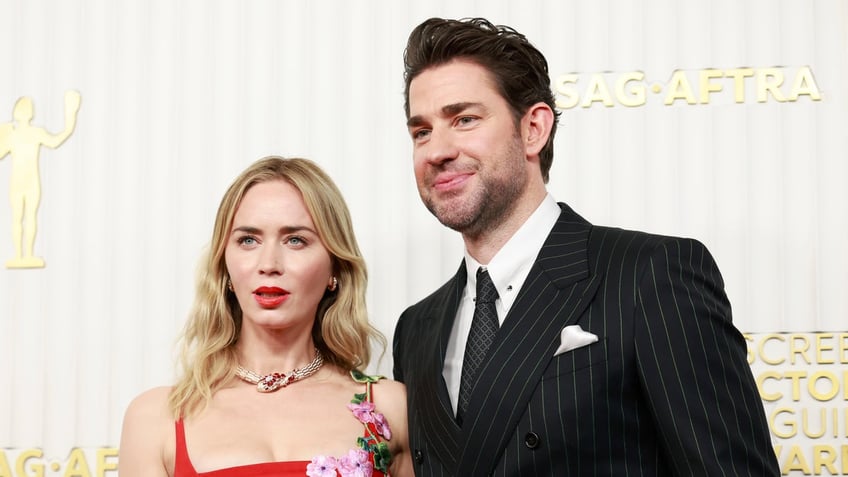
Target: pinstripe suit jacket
{"points": [[665, 391]]}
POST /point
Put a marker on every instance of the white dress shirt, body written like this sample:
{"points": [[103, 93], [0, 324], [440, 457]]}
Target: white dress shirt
{"points": [[508, 269]]}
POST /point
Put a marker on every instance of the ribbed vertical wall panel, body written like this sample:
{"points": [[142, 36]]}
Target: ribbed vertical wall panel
{"points": [[831, 232], [178, 97]]}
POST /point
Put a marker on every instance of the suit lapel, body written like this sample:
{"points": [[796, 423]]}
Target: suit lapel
{"points": [[555, 293], [438, 423]]}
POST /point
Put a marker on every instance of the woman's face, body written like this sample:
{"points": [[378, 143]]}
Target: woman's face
{"points": [[278, 266]]}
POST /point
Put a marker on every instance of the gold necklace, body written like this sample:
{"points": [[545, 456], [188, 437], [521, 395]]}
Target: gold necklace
{"points": [[272, 382]]}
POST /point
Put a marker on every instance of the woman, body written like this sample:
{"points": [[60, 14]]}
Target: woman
{"points": [[272, 348]]}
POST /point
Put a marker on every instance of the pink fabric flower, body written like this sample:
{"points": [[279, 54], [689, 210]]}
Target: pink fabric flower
{"points": [[322, 466], [382, 426], [363, 411], [357, 463]]}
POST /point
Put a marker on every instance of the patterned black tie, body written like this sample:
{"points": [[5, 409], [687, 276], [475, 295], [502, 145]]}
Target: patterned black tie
{"points": [[484, 325]]}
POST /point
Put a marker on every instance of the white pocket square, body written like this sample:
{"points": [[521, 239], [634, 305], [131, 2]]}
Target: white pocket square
{"points": [[573, 337]]}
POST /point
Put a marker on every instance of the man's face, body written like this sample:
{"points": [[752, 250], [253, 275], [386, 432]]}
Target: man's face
{"points": [[469, 159]]}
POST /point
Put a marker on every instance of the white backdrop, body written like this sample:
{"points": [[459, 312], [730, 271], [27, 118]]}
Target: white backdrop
{"points": [[179, 96]]}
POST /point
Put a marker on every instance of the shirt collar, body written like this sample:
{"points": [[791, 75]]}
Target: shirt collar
{"points": [[511, 264]]}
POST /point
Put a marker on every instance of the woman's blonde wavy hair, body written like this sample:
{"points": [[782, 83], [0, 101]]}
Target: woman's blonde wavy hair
{"points": [[341, 329]]}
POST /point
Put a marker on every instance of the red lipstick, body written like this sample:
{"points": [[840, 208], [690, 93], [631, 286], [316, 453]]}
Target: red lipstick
{"points": [[270, 297]]}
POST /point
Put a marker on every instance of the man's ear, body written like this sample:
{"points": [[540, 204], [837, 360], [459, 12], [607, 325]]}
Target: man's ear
{"points": [[536, 128]]}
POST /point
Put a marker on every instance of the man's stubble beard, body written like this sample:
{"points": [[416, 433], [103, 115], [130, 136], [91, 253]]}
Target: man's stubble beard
{"points": [[488, 205]]}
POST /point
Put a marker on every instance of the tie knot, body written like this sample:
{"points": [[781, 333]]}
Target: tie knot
{"points": [[486, 291]]}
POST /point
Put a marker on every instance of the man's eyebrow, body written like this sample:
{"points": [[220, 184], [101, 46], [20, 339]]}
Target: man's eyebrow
{"points": [[447, 111], [456, 108], [414, 122]]}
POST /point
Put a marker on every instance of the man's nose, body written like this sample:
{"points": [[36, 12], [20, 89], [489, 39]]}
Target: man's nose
{"points": [[440, 147]]}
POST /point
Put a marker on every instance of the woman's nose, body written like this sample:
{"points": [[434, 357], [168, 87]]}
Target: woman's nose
{"points": [[271, 261]]}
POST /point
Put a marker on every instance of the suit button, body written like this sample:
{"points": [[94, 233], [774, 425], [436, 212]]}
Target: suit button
{"points": [[418, 456], [531, 440]]}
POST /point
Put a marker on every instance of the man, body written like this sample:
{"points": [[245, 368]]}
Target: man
{"points": [[608, 352]]}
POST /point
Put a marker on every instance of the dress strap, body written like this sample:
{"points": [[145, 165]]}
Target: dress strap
{"points": [[182, 464], [368, 390], [377, 430], [363, 378]]}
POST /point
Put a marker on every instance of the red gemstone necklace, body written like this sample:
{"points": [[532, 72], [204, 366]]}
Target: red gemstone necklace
{"points": [[272, 382]]}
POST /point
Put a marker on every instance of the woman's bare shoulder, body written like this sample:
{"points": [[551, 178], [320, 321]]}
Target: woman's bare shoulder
{"points": [[147, 435], [151, 403], [390, 397], [149, 412], [392, 388]]}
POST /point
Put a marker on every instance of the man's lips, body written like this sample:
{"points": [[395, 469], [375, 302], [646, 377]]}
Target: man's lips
{"points": [[450, 180], [270, 297]]}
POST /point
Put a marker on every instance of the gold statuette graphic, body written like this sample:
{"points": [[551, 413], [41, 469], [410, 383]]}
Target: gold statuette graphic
{"points": [[23, 141]]}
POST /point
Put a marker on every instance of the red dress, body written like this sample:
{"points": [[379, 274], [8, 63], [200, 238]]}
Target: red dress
{"points": [[369, 457]]}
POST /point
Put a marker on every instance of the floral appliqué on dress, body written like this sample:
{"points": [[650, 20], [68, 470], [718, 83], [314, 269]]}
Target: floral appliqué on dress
{"points": [[358, 462]]}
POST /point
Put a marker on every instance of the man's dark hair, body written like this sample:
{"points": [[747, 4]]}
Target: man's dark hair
{"points": [[519, 70]]}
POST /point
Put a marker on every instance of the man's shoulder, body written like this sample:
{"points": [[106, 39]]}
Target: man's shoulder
{"points": [[609, 232], [435, 299], [630, 245], [618, 233], [603, 233]]}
